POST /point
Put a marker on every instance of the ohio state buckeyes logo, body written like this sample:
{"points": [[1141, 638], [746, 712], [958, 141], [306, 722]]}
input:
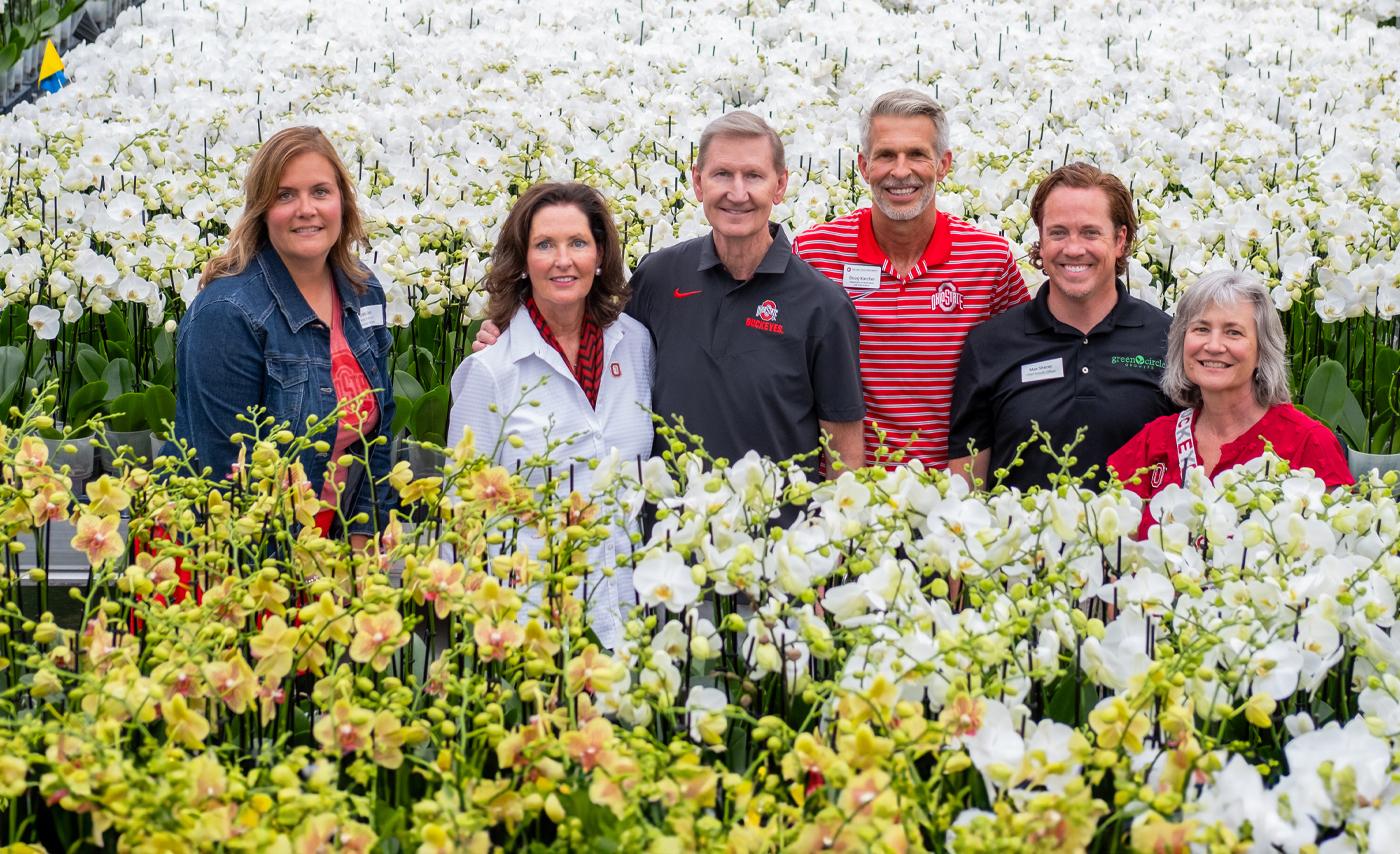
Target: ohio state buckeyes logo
{"points": [[947, 298], [765, 318]]}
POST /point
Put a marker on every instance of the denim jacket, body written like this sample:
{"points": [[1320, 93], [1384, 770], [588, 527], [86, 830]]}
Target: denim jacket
{"points": [[251, 339]]}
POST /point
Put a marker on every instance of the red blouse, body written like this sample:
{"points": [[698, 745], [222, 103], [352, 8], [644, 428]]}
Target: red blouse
{"points": [[350, 383], [1296, 438]]}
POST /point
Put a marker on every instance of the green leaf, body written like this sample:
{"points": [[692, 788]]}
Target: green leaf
{"points": [[128, 412], [1383, 393], [429, 420], [46, 20], [426, 368], [116, 326], [12, 375], [403, 410], [160, 410], [85, 403], [91, 363], [1061, 704], [1326, 392], [1381, 435], [120, 377], [406, 386], [429, 329], [164, 347], [164, 375], [1352, 422]]}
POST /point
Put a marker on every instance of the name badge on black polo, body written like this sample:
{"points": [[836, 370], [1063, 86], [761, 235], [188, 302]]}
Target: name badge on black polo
{"points": [[1050, 369]]}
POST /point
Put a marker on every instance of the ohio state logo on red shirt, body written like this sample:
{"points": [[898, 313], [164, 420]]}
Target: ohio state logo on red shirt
{"points": [[947, 298], [765, 318]]}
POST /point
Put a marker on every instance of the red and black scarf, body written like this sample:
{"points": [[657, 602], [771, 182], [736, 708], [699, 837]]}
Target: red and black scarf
{"points": [[589, 370]]}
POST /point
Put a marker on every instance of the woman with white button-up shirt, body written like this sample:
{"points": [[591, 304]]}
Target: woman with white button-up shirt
{"points": [[569, 368]]}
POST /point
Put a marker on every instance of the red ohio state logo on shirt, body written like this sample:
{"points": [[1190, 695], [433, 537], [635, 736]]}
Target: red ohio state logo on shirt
{"points": [[947, 298], [765, 318]]}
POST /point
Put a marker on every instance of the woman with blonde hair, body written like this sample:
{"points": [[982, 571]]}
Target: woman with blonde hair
{"points": [[289, 320]]}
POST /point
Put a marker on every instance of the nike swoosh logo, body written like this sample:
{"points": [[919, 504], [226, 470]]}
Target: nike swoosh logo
{"points": [[680, 294]]}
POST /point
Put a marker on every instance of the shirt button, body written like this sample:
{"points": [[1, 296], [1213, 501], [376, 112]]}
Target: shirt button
{"points": [[1084, 370], [1086, 340]]}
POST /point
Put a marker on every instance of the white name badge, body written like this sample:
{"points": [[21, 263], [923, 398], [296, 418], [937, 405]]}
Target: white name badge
{"points": [[1050, 369], [371, 316], [860, 277]]}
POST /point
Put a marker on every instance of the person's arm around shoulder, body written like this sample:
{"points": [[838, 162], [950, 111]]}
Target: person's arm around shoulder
{"points": [[835, 370], [488, 334], [970, 417], [220, 363]]}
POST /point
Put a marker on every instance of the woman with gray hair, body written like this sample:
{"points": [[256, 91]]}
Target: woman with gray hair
{"points": [[1226, 365]]}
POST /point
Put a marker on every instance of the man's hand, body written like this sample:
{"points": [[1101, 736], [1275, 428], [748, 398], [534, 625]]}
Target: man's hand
{"points": [[972, 469], [847, 443], [486, 336]]}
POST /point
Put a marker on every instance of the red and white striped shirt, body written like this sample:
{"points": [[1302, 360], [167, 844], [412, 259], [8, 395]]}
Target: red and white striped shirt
{"points": [[912, 328]]}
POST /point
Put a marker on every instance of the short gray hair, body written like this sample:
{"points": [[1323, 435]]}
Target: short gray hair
{"points": [[1223, 288], [906, 102], [742, 123]]}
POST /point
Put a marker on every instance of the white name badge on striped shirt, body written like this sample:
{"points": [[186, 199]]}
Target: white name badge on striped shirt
{"points": [[861, 277], [1050, 369]]}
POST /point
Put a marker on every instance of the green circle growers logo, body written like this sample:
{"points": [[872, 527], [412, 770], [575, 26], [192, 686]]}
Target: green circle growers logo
{"points": [[1141, 362]]}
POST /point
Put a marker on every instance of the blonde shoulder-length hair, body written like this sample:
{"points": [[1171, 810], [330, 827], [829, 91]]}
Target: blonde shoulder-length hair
{"points": [[260, 192]]}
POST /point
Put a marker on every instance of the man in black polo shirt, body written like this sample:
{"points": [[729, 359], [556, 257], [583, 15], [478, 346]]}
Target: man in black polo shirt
{"points": [[754, 349], [1083, 353]]}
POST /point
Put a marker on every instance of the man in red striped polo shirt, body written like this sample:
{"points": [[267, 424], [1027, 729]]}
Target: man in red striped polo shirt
{"points": [[920, 279]]}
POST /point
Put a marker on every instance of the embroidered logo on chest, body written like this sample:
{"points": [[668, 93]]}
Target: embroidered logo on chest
{"points": [[1140, 361], [765, 318], [947, 298]]}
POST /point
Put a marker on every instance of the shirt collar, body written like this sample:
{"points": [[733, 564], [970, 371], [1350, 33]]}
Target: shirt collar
{"points": [[1123, 313], [287, 295], [525, 341], [775, 260], [940, 245]]}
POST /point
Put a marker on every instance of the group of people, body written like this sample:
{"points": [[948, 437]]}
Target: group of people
{"points": [[896, 328]]}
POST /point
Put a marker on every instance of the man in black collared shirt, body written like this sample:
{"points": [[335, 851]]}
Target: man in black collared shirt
{"points": [[1082, 354], [754, 349]]}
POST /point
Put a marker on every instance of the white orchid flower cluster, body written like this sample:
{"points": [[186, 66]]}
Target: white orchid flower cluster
{"points": [[1245, 145], [1035, 630]]}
